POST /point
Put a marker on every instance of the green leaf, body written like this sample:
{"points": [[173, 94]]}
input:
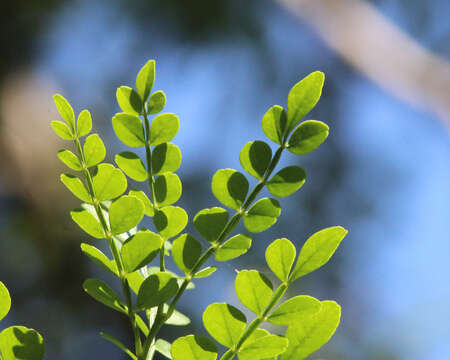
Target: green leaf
{"points": [[303, 97], [194, 347], [69, 159], [262, 215], [129, 100], [307, 137], [119, 344], [207, 271], [84, 123], [65, 110], [163, 347], [230, 187], [170, 221], [225, 323], [156, 289], [312, 332], [295, 310], [5, 301], [19, 342], [129, 129], [88, 223], [317, 250], [132, 165], [280, 256], [233, 247], [186, 250], [62, 130], [253, 289], [135, 280], [109, 182], [76, 187], [210, 222], [255, 158], [168, 189], [125, 213], [177, 318], [145, 80], [148, 207], [94, 150], [274, 123], [164, 127], [166, 158], [156, 102], [99, 258], [104, 294], [287, 181], [265, 347], [140, 249]]}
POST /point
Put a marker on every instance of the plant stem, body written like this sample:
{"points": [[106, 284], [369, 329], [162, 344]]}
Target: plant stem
{"points": [[113, 247], [232, 223]]}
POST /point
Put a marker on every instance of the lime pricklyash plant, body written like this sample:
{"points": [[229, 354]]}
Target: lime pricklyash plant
{"points": [[151, 293]]}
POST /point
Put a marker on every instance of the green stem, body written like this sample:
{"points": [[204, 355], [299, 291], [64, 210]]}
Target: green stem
{"points": [[232, 223], [113, 247], [276, 296]]}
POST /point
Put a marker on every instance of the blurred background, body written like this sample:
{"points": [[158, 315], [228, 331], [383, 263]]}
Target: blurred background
{"points": [[384, 172]]}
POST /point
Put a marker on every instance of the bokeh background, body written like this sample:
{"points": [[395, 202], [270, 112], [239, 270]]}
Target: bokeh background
{"points": [[384, 172]]}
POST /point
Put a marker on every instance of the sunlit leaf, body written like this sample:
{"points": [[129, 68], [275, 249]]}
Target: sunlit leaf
{"points": [[264, 348], [253, 289], [163, 347], [274, 123], [94, 150], [233, 247], [194, 347], [125, 213], [65, 110], [129, 129], [104, 294], [210, 222], [5, 301], [255, 157], [307, 137], [207, 271], [156, 290], [148, 207], [295, 310], [166, 158], [170, 221], [140, 249], [262, 215], [156, 102], [88, 223], [109, 182], [168, 189], [230, 187], [76, 187], [129, 100], [132, 165], [19, 342], [99, 258], [185, 252], [287, 181], [280, 256], [84, 123], [62, 130], [145, 80], [164, 127], [69, 159]]}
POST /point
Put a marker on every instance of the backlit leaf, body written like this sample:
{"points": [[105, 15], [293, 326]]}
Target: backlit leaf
{"points": [[295, 310], [145, 80], [65, 110], [168, 189], [317, 250], [207, 271], [253, 289], [255, 157], [230, 187], [140, 249], [69, 159], [19, 342], [5, 301], [104, 294], [225, 323], [233, 247], [185, 252], [125, 213], [280, 256], [129, 100], [307, 137], [132, 165], [194, 347], [62, 130], [109, 182], [156, 102], [274, 123], [148, 207], [170, 221], [99, 258], [84, 123], [210, 222], [263, 348], [164, 127], [166, 158], [88, 223], [94, 150], [163, 347], [287, 181], [262, 215], [156, 289], [77, 188], [129, 129]]}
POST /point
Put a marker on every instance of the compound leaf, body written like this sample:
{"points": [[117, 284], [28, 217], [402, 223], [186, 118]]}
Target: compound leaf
{"points": [[295, 310], [69, 159], [194, 347], [129, 100], [166, 158], [125, 213], [303, 97], [317, 250], [94, 150], [233, 247], [168, 189], [312, 332], [132, 165], [148, 206], [255, 158], [109, 182], [253, 289], [280, 256], [262, 215], [76, 187], [207, 271], [129, 129], [163, 347], [104, 294], [156, 290], [164, 127], [230, 187], [264, 348], [65, 110], [307, 137], [156, 102], [140, 249], [287, 181], [170, 221], [19, 342], [225, 323], [186, 250], [99, 258], [210, 222], [274, 123], [5, 301], [62, 130], [145, 80], [88, 223], [84, 123]]}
